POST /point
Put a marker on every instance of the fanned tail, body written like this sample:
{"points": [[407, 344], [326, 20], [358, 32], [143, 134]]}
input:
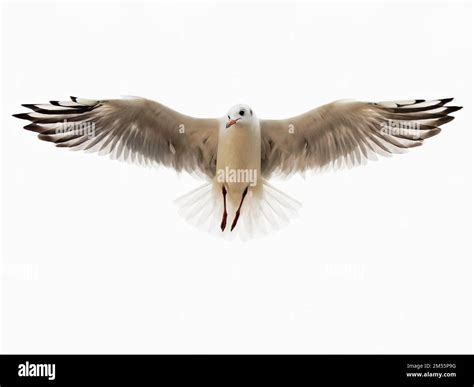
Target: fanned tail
{"points": [[264, 210]]}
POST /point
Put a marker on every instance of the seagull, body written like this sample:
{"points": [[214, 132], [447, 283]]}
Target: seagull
{"points": [[238, 153]]}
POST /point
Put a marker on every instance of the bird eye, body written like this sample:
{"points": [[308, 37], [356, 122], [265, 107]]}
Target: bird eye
{"points": [[228, 117], [242, 112]]}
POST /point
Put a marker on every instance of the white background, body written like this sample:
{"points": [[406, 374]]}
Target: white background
{"points": [[95, 257]]}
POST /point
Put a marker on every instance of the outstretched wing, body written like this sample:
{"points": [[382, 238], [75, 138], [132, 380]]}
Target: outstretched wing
{"points": [[346, 133], [137, 130]]}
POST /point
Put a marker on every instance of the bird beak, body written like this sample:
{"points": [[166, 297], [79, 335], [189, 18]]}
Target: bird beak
{"points": [[230, 123]]}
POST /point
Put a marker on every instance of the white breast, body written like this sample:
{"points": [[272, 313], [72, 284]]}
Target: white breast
{"points": [[239, 157]]}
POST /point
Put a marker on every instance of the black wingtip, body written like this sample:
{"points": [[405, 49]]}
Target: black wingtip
{"points": [[446, 100], [73, 99], [431, 133], [444, 120], [32, 127], [45, 137], [22, 116]]}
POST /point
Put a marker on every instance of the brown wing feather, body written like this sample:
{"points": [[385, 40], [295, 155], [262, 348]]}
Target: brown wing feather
{"points": [[346, 133], [137, 130]]}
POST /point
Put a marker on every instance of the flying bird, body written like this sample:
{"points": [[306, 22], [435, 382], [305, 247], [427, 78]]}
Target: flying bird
{"points": [[238, 153]]}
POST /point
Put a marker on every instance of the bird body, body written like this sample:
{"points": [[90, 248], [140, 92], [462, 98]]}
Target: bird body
{"points": [[239, 159], [238, 153]]}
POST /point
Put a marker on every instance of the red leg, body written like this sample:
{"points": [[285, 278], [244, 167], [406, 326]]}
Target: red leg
{"points": [[237, 213], [224, 215]]}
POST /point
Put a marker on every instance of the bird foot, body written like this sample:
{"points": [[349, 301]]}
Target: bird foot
{"points": [[236, 218]]}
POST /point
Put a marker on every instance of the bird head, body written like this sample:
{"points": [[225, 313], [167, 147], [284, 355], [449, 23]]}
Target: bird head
{"points": [[240, 115]]}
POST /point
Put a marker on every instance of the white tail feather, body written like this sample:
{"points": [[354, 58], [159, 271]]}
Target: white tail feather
{"points": [[261, 212]]}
